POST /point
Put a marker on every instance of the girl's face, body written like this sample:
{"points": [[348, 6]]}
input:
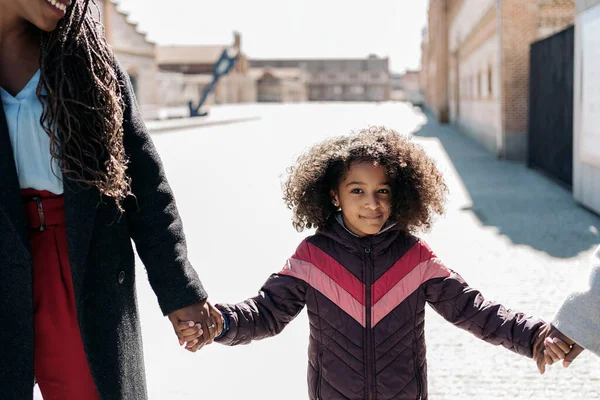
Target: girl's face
{"points": [[45, 14], [365, 197]]}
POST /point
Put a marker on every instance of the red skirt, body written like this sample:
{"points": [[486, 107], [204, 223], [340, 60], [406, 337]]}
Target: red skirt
{"points": [[61, 366]]}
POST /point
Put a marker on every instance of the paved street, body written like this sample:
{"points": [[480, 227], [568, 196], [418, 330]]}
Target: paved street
{"points": [[509, 231]]}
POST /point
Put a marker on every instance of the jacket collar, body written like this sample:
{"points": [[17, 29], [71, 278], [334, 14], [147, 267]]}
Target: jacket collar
{"points": [[337, 231]]}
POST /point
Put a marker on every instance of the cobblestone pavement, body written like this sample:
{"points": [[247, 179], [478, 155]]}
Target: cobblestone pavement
{"points": [[509, 231]]}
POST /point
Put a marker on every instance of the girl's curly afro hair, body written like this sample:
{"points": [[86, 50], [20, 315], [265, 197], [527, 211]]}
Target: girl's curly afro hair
{"points": [[418, 188]]}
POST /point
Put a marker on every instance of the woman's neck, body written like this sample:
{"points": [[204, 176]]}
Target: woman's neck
{"points": [[13, 27], [19, 51]]}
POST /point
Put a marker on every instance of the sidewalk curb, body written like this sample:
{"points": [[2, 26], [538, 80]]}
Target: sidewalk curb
{"points": [[190, 123]]}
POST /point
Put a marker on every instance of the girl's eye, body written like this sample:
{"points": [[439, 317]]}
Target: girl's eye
{"points": [[384, 191], [356, 191]]}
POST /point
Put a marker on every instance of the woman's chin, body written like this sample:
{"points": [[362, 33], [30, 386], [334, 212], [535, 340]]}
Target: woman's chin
{"points": [[47, 25]]}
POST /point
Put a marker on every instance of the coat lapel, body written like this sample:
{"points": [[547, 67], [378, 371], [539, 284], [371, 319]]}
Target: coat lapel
{"points": [[80, 209], [80, 214], [10, 192]]}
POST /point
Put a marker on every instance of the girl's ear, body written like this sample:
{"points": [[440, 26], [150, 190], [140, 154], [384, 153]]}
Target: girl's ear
{"points": [[335, 200]]}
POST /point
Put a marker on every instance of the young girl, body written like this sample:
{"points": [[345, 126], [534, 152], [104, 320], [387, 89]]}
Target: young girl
{"points": [[365, 277]]}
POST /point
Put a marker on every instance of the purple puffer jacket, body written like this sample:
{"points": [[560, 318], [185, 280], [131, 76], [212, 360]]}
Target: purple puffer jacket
{"points": [[366, 305]]}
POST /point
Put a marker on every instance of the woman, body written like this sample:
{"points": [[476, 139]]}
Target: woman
{"points": [[79, 177]]}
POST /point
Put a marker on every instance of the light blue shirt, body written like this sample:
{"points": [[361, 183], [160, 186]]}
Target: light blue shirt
{"points": [[30, 143]]}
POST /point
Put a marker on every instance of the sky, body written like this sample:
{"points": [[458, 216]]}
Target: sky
{"points": [[290, 28]]}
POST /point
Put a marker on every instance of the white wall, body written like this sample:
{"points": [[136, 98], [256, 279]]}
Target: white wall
{"points": [[478, 114], [586, 173], [469, 15]]}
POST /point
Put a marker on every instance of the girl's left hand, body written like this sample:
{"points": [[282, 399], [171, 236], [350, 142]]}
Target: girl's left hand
{"points": [[190, 332]]}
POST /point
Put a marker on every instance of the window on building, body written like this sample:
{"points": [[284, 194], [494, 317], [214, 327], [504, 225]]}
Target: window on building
{"points": [[357, 89], [479, 94], [337, 90], [468, 88], [489, 81]]}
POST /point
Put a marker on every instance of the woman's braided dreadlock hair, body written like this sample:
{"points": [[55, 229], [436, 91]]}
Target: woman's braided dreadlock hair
{"points": [[82, 103]]}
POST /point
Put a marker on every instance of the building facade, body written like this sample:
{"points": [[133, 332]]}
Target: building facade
{"points": [[411, 84], [283, 85], [135, 53], [165, 78], [586, 115], [407, 87], [477, 61], [424, 53], [396, 87], [366, 79]]}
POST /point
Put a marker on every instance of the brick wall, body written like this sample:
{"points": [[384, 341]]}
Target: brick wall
{"points": [[554, 16], [437, 68], [518, 21]]}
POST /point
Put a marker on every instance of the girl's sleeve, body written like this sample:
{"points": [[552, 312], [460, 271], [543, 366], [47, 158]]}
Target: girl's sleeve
{"points": [[278, 302], [465, 307], [579, 316]]}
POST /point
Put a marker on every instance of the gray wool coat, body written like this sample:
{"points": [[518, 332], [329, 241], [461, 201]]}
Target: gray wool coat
{"points": [[102, 264], [579, 315]]}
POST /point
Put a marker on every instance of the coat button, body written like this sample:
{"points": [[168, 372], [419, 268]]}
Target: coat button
{"points": [[121, 277]]}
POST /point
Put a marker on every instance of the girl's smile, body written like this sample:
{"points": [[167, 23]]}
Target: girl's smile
{"points": [[365, 197]]}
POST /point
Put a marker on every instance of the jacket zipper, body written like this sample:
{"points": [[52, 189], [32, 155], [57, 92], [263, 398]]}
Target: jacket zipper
{"points": [[369, 336], [417, 373], [320, 374], [418, 376]]}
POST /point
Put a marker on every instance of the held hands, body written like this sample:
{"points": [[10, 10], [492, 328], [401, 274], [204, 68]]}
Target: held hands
{"points": [[552, 345], [196, 325], [189, 330]]}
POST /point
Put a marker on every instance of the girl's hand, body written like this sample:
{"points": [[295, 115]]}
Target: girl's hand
{"points": [[551, 345], [190, 332], [556, 349]]}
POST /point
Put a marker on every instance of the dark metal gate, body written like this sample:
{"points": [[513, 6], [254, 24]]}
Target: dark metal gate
{"points": [[551, 106]]}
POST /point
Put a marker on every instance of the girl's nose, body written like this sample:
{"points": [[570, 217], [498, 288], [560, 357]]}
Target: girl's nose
{"points": [[372, 203]]}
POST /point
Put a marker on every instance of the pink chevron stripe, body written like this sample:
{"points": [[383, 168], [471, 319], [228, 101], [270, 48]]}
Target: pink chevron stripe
{"points": [[424, 271], [336, 271], [320, 281], [415, 255]]}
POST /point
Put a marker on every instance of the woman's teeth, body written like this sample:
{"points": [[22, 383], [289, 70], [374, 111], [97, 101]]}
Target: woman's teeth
{"points": [[58, 5]]}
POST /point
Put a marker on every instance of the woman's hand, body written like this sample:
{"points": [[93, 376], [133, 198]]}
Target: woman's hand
{"points": [[208, 320]]}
